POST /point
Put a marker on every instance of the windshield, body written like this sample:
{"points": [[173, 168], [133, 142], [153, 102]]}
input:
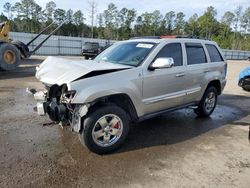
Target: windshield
{"points": [[128, 53]]}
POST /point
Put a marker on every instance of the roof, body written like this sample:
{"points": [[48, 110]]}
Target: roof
{"points": [[158, 39]]}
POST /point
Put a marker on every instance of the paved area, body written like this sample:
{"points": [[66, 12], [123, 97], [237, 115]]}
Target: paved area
{"points": [[173, 150]]}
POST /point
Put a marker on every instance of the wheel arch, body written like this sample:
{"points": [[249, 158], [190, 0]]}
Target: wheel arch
{"points": [[23, 48], [122, 100], [216, 84]]}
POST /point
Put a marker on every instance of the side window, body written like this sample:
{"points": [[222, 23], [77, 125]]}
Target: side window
{"points": [[195, 53], [173, 50], [214, 54]]}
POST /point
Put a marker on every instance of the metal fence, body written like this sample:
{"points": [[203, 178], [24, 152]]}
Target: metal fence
{"points": [[63, 45], [57, 45], [236, 54]]}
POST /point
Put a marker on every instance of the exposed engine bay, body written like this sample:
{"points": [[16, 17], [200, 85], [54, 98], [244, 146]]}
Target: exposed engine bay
{"points": [[55, 102]]}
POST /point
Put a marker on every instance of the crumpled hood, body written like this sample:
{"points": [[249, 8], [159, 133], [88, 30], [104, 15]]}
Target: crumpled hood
{"points": [[55, 70]]}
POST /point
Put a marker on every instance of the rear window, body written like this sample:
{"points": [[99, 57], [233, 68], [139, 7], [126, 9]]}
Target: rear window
{"points": [[214, 53], [195, 53], [91, 44]]}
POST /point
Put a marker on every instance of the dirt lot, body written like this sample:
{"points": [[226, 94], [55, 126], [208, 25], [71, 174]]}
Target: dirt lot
{"points": [[174, 150]]}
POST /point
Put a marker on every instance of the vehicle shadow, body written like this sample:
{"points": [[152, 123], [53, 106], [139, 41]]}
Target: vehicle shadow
{"points": [[182, 125]]}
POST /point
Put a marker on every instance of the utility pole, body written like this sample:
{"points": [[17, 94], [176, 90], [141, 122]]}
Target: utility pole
{"points": [[92, 11]]}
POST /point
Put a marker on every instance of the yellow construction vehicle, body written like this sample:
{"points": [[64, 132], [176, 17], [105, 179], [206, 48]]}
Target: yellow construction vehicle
{"points": [[4, 31], [12, 51]]}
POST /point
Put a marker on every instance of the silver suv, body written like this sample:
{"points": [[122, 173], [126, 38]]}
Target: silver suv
{"points": [[130, 81]]}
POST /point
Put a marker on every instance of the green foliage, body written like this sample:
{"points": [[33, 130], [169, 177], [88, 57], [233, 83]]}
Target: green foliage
{"points": [[179, 23], [232, 31], [8, 9], [49, 10], [192, 26], [169, 17], [29, 17]]}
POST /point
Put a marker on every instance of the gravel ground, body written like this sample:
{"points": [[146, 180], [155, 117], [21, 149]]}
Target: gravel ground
{"points": [[173, 150]]}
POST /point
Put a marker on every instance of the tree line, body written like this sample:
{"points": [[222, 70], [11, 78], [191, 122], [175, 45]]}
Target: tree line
{"points": [[231, 31]]}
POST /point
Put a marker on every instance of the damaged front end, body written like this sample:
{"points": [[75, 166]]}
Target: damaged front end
{"points": [[56, 102]]}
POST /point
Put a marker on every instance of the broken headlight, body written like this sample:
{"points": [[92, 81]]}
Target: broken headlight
{"points": [[68, 95]]}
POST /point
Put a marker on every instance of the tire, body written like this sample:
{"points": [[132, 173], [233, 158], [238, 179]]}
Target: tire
{"points": [[9, 57], [246, 88], [86, 57], [115, 134], [245, 83], [22, 47], [207, 103]]}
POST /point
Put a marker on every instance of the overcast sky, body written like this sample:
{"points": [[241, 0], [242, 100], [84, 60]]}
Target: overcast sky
{"points": [[189, 7]]}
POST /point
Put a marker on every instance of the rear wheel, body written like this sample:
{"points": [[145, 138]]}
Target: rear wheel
{"points": [[207, 103], [105, 129], [9, 57]]}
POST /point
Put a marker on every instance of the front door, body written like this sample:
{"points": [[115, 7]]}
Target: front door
{"points": [[165, 88]]}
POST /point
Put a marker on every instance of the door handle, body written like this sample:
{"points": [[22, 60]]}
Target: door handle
{"points": [[206, 71], [180, 75]]}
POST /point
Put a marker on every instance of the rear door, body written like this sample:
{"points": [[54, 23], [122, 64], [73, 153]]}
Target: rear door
{"points": [[197, 65], [217, 62]]}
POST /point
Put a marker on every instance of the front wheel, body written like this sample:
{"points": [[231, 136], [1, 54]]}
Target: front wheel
{"points": [[9, 57], [207, 103], [105, 129]]}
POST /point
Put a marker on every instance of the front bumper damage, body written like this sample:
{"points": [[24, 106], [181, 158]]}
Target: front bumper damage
{"points": [[60, 111]]}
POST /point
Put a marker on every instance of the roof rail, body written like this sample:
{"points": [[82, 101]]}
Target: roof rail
{"points": [[183, 36], [176, 36], [146, 37], [169, 36]]}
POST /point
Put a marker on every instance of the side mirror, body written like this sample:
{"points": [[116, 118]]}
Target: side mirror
{"points": [[161, 63]]}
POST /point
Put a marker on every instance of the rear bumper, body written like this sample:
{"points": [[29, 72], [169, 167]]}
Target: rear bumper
{"points": [[89, 53]]}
